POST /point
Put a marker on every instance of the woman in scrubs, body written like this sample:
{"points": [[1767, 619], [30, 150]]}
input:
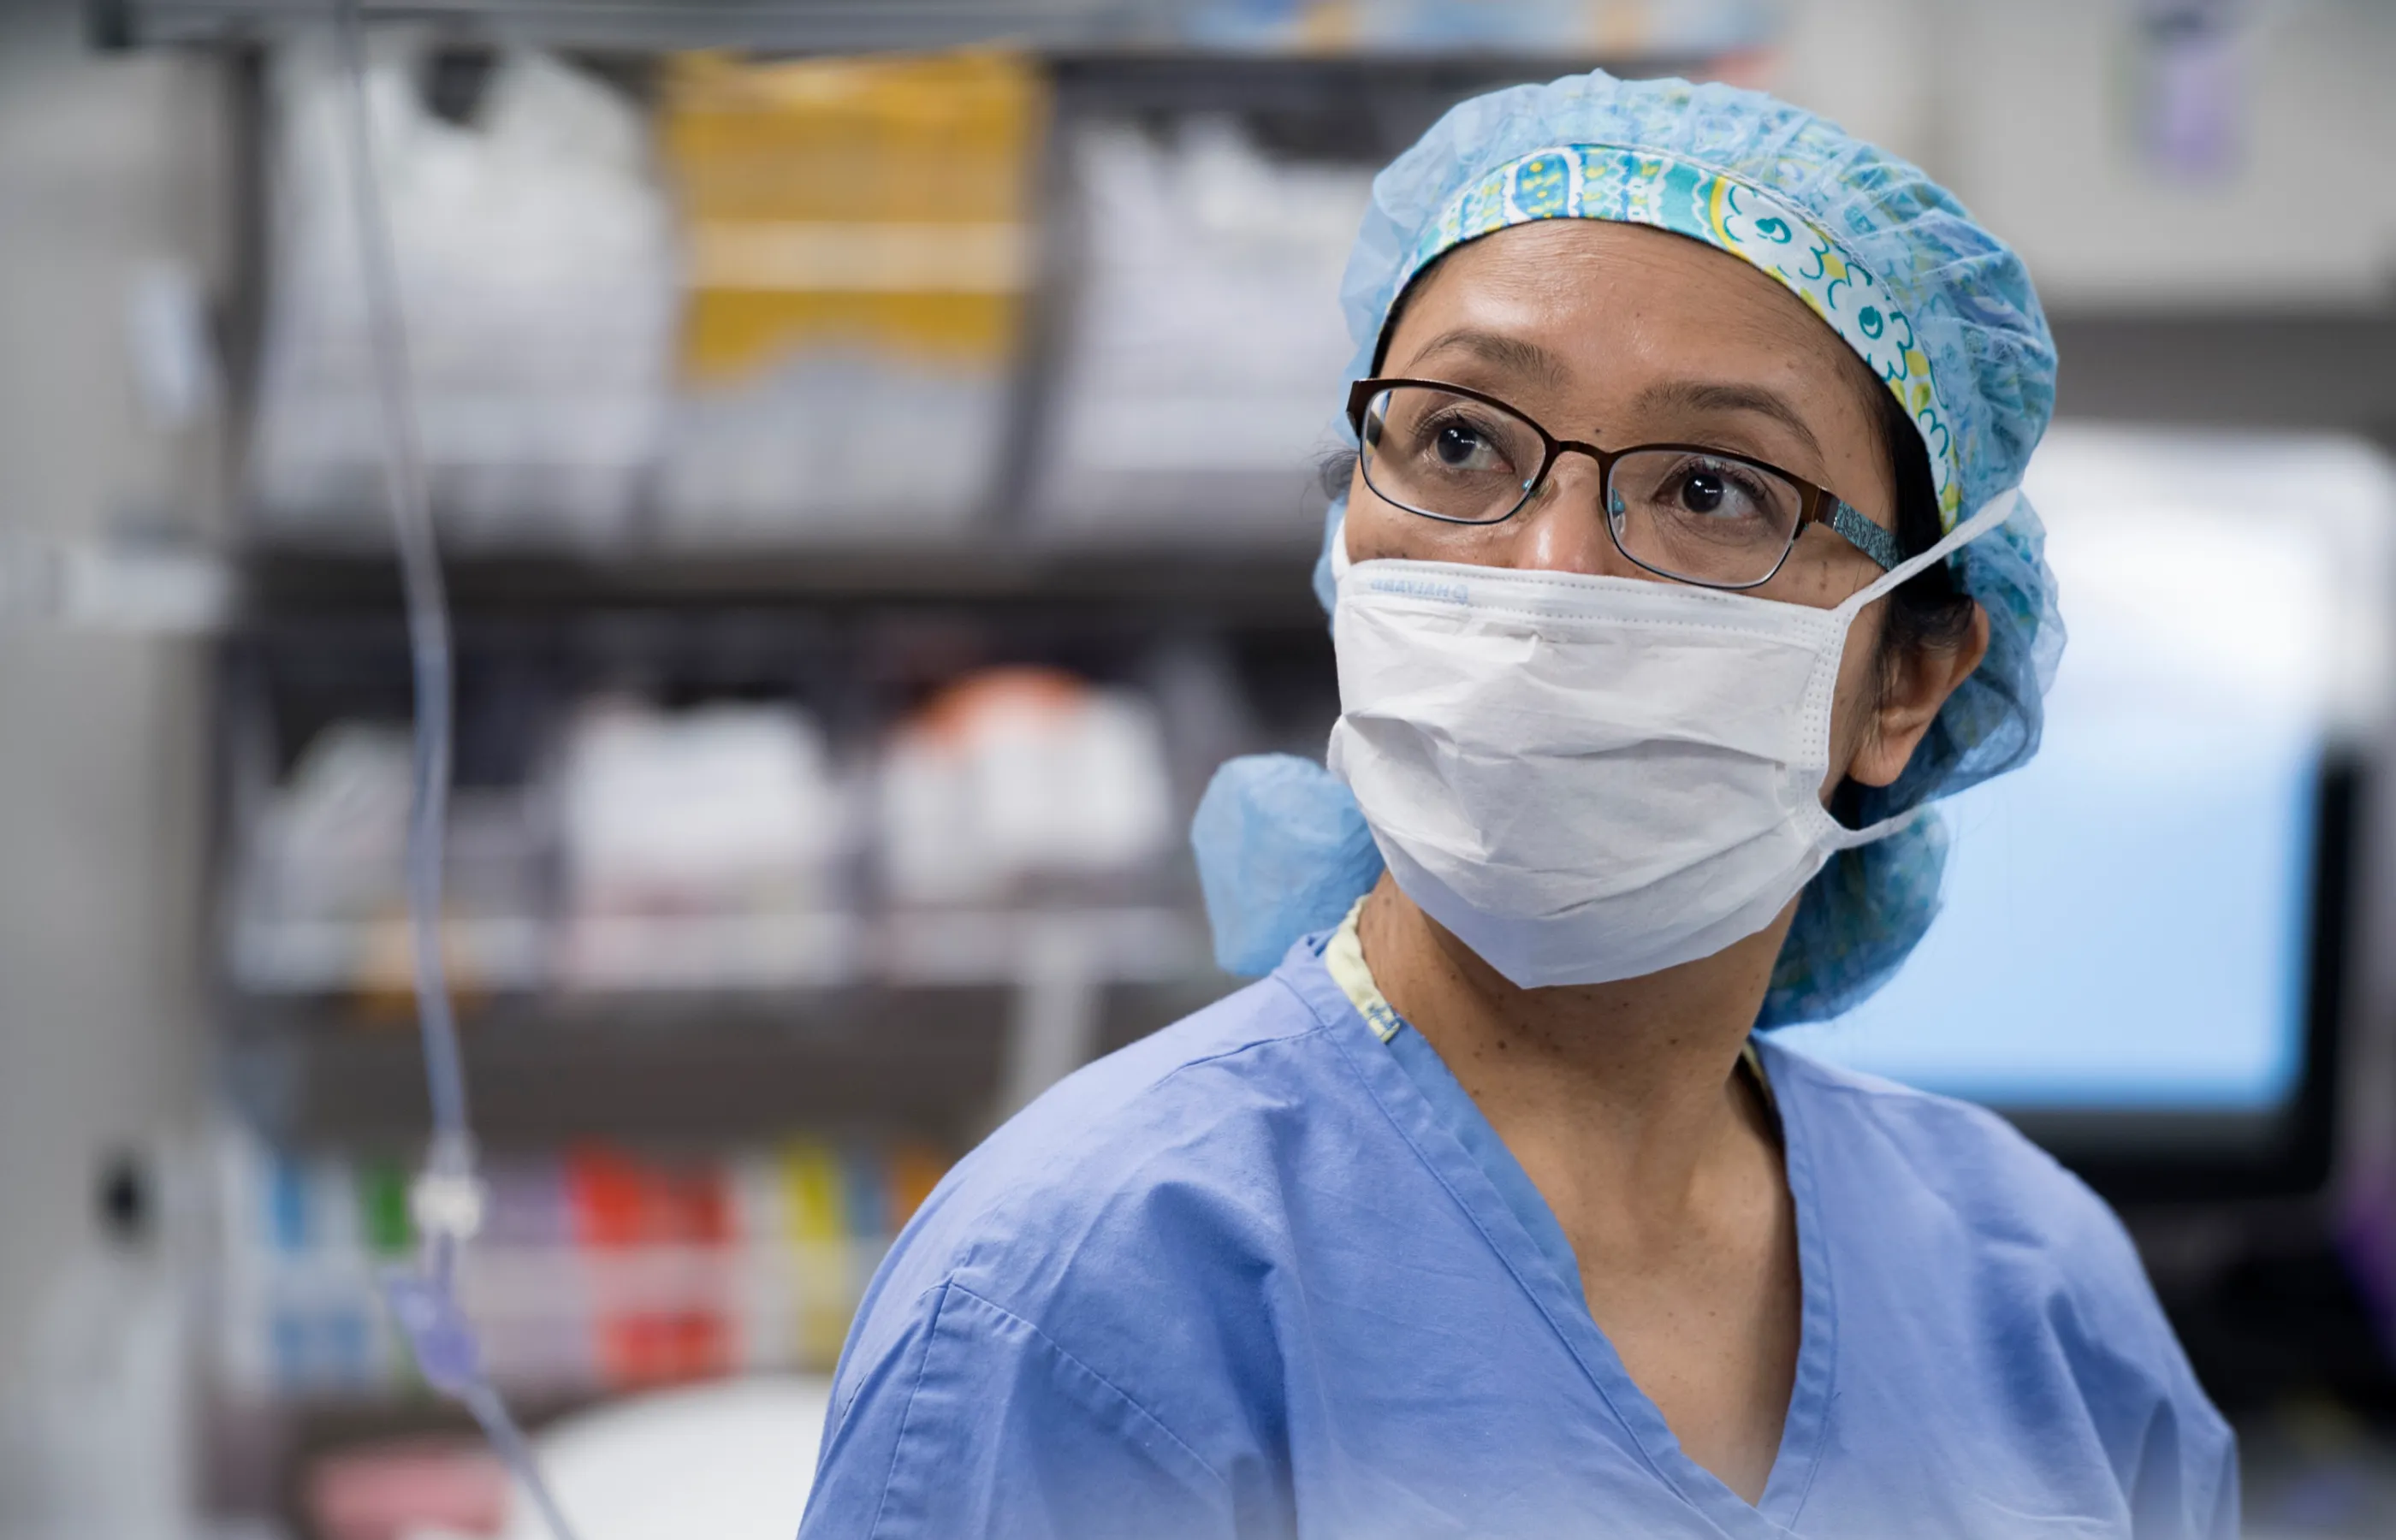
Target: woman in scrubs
{"points": [[1681, 565]]}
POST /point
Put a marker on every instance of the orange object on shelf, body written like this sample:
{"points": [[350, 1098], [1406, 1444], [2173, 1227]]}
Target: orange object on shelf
{"points": [[1011, 690]]}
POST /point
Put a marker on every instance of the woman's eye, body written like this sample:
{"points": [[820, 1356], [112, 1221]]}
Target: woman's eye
{"points": [[1461, 446], [1713, 491], [1701, 491]]}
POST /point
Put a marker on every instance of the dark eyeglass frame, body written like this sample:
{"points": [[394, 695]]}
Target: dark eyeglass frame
{"points": [[1822, 506]]}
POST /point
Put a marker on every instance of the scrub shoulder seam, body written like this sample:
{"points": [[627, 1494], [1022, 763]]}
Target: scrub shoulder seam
{"points": [[1064, 1355], [923, 1304], [1251, 1045]]}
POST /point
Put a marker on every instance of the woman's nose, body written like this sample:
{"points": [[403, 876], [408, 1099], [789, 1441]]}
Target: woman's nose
{"points": [[1563, 530]]}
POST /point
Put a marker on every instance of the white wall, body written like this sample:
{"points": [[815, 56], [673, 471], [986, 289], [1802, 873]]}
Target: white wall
{"points": [[2030, 110], [104, 164]]}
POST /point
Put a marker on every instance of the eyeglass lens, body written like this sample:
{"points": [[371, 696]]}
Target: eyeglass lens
{"points": [[1712, 519]]}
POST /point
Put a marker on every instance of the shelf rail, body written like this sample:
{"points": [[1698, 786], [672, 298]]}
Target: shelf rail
{"points": [[648, 26]]}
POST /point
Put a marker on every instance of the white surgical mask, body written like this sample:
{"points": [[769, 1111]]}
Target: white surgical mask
{"points": [[1589, 778]]}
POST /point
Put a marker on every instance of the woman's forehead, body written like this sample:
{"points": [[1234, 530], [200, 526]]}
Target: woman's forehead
{"points": [[1559, 290]]}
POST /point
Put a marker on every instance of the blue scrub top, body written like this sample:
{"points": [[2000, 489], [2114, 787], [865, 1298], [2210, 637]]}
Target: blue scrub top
{"points": [[1262, 1275]]}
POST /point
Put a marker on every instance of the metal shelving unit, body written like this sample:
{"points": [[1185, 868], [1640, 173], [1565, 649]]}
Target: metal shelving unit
{"points": [[1012, 588]]}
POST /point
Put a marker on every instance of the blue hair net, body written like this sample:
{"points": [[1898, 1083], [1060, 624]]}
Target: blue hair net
{"points": [[1302, 856], [1981, 391]]}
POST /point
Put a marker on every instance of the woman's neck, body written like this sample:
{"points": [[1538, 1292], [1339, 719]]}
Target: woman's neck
{"points": [[1623, 1100]]}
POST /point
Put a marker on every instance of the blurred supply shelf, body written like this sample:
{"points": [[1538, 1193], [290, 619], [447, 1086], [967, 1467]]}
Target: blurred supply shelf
{"points": [[1081, 313], [1012, 323], [599, 1266], [775, 816], [798, 879]]}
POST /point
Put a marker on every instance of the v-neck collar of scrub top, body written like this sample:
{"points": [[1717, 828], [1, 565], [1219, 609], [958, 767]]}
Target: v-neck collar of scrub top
{"points": [[1439, 1119]]}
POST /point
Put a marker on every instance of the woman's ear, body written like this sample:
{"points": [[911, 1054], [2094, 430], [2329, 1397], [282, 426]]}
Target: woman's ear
{"points": [[1917, 688]]}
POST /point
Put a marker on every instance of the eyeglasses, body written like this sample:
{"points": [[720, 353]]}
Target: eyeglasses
{"points": [[1681, 511]]}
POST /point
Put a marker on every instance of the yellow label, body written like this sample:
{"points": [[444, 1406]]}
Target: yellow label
{"points": [[881, 202], [814, 1205]]}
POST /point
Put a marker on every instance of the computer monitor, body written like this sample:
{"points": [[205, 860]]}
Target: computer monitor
{"points": [[2143, 947]]}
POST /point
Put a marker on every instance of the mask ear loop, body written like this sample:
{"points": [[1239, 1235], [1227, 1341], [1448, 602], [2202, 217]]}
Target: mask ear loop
{"points": [[1996, 511], [1339, 558]]}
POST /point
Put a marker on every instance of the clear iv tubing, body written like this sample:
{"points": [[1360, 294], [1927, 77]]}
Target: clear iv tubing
{"points": [[448, 1198]]}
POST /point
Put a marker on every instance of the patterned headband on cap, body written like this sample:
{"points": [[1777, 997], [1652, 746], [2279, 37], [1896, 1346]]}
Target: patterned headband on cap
{"points": [[1631, 186]]}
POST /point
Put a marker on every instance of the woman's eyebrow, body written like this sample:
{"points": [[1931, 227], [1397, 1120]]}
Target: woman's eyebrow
{"points": [[1711, 395], [1511, 353]]}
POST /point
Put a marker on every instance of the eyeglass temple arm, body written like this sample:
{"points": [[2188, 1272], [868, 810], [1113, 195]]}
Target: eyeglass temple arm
{"points": [[1864, 535]]}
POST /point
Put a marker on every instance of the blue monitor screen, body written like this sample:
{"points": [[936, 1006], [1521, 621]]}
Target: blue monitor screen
{"points": [[2127, 919], [2105, 944]]}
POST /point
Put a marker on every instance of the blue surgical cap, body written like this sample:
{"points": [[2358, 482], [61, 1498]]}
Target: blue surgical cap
{"points": [[1943, 312]]}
